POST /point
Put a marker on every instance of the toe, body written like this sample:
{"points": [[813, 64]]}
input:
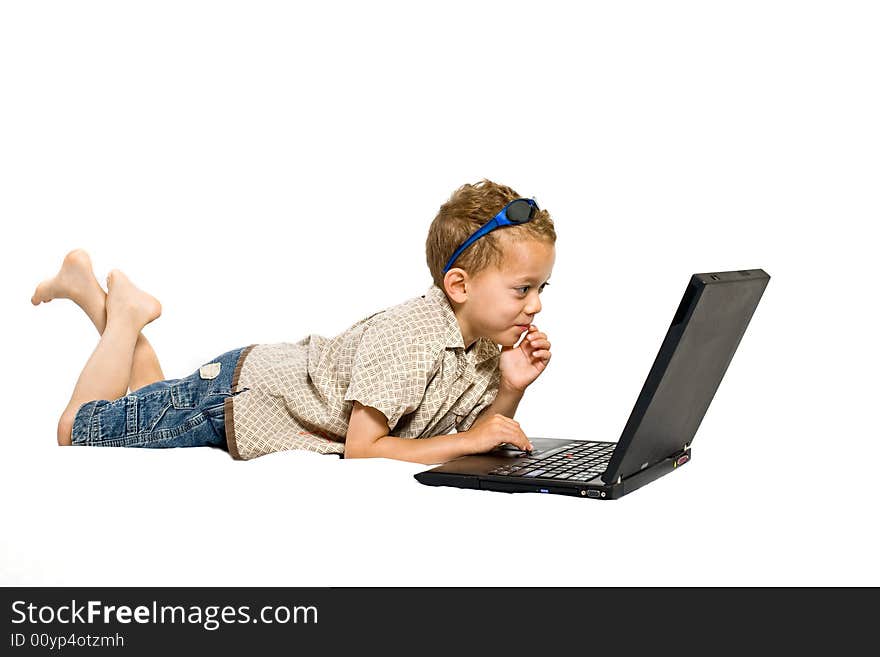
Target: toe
{"points": [[43, 293]]}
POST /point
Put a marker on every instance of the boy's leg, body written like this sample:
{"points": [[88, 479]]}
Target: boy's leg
{"points": [[106, 373], [76, 281]]}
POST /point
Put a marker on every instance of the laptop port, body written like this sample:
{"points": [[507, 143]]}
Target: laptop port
{"points": [[592, 493]]}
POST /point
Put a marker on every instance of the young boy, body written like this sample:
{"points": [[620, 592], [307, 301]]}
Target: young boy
{"points": [[416, 370]]}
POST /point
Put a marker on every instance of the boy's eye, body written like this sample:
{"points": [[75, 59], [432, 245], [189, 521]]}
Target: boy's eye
{"points": [[525, 288]]}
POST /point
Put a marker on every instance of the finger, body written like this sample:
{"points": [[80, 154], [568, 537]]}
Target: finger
{"points": [[520, 441]]}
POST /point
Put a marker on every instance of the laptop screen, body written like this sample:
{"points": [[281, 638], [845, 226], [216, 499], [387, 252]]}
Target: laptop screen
{"points": [[699, 345]]}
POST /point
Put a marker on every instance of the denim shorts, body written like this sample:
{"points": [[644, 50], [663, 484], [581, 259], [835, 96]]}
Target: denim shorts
{"points": [[184, 412]]}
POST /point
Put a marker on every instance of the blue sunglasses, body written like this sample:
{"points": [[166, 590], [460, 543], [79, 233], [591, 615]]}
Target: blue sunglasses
{"points": [[518, 211]]}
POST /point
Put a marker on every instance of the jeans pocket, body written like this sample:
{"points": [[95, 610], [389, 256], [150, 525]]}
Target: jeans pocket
{"points": [[153, 408]]}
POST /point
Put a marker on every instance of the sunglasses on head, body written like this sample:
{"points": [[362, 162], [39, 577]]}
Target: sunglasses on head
{"points": [[518, 211]]}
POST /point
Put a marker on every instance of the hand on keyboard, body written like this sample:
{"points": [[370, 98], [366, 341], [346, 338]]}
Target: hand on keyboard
{"points": [[497, 430]]}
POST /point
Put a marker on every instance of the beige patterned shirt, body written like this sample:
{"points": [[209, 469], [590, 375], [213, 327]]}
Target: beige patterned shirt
{"points": [[407, 361]]}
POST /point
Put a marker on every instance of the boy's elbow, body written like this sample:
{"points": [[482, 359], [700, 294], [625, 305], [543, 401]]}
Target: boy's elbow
{"points": [[361, 449], [352, 452]]}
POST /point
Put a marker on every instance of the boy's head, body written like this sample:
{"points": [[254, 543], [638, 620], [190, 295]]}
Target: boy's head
{"points": [[493, 285]]}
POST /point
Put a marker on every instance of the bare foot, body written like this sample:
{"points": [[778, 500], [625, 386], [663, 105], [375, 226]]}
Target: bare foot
{"points": [[75, 281], [128, 302]]}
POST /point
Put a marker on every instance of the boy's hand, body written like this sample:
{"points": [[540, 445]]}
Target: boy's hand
{"points": [[491, 433], [521, 365]]}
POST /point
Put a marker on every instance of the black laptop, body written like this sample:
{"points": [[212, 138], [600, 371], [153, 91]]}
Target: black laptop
{"points": [[699, 345]]}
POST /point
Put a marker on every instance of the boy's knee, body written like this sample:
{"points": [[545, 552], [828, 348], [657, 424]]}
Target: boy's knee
{"points": [[65, 428]]}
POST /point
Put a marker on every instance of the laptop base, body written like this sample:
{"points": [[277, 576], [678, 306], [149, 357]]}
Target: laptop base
{"points": [[446, 475]]}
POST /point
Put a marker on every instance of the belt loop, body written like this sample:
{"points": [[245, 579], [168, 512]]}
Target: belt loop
{"points": [[131, 415]]}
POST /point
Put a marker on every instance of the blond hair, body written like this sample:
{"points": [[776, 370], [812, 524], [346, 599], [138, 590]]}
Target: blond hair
{"points": [[468, 208]]}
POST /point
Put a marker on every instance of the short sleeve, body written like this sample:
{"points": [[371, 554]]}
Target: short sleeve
{"points": [[389, 371]]}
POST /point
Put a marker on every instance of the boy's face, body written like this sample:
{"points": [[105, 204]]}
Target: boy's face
{"points": [[500, 303]]}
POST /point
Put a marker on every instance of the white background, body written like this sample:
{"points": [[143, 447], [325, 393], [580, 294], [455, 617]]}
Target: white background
{"points": [[270, 171]]}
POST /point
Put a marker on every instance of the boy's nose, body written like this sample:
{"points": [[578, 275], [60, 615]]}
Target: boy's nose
{"points": [[534, 305]]}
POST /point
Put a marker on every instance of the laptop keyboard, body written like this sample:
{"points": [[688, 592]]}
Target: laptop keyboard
{"points": [[577, 461]]}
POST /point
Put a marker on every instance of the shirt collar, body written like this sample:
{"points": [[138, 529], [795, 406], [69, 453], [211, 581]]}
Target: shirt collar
{"points": [[481, 351]]}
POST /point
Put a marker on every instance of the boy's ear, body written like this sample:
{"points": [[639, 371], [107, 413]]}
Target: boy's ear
{"points": [[455, 283]]}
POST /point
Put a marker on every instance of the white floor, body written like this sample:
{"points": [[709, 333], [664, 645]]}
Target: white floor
{"points": [[91, 516]]}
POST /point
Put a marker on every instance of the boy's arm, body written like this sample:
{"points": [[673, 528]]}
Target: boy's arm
{"points": [[367, 436]]}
